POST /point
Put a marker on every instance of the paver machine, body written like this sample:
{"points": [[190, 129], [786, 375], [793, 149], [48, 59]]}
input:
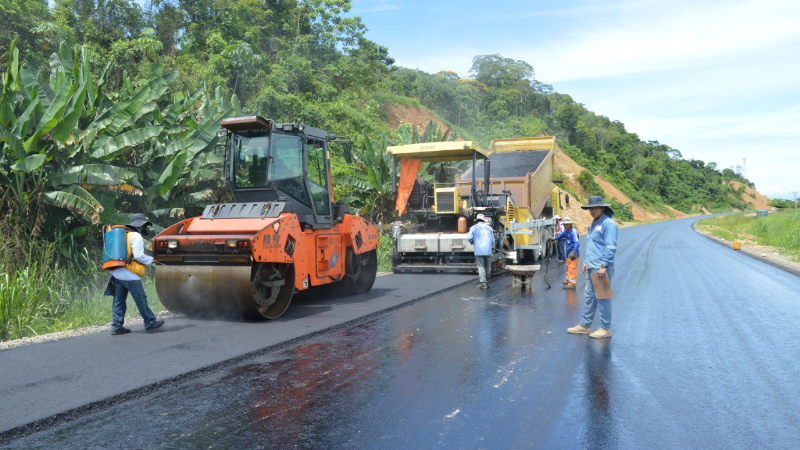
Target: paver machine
{"points": [[430, 233], [283, 233]]}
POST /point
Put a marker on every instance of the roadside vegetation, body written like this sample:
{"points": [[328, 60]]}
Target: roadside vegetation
{"points": [[109, 109], [43, 291], [780, 229]]}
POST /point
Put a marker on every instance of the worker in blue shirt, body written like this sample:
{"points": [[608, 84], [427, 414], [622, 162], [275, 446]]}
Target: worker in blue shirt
{"points": [[601, 247], [129, 279], [572, 245], [481, 236]]}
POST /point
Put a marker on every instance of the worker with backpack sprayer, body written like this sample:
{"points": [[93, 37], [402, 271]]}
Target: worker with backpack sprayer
{"points": [[126, 275]]}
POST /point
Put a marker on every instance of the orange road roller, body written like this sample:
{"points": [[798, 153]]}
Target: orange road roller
{"points": [[283, 233]]}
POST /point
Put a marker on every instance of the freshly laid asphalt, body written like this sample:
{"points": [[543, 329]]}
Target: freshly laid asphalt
{"points": [[704, 355], [43, 380]]}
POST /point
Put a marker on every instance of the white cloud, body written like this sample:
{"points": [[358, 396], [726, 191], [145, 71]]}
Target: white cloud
{"points": [[377, 6], [669, 36]]}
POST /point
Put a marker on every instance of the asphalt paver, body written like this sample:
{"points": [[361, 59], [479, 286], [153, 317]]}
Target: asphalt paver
{"points": [[703, 356]]}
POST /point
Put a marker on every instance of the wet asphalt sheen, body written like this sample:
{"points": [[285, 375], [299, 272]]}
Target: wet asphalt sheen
{"points": [[704, 355]]}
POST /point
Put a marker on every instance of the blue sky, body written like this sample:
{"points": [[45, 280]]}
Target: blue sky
{"points": [[718, 80]]}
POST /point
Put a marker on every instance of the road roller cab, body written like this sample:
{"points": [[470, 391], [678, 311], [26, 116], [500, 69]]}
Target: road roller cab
{"points": [[284, 233]]}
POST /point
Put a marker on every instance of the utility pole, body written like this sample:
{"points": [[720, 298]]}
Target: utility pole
{"points": [[795, 198]]}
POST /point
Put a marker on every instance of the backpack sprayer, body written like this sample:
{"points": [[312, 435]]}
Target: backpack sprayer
{"points": [[115, 249]]}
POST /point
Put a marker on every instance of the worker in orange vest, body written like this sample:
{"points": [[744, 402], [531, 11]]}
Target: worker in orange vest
{"points": [[570, 237]]}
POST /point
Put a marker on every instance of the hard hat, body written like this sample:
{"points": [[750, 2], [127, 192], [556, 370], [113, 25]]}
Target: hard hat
{"points": [[481, 217], [556, 217], [566, 221]]}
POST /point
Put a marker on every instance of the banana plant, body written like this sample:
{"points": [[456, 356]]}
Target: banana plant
{"points": [[70, 149]]}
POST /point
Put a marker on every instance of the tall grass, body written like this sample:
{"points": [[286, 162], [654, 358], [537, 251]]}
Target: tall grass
{"points": [[780, 229], [25, 305], [43, 290]]}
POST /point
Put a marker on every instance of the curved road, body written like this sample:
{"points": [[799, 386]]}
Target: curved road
{"points": [[704, 355]]}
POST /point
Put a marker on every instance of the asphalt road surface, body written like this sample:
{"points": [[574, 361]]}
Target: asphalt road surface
{"points": [[704, 355]]}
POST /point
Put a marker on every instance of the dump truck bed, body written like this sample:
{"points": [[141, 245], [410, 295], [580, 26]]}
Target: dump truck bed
{"points": [[527, 174]]}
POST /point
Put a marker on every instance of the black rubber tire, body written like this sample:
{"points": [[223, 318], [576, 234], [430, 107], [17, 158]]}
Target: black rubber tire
{"points": [[359, 274]]}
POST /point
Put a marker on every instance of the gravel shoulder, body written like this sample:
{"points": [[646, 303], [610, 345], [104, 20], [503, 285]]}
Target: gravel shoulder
{"points": [[769, 255]]}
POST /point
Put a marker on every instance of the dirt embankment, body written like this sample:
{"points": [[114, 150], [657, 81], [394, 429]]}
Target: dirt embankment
{"points": [[571, 169], [398, 114], [752, 197]]}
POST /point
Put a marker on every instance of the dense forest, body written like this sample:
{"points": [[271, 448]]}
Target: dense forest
{"points": [[83, 66]]}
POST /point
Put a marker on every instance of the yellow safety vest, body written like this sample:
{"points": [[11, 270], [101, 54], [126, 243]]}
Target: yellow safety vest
{"points": [[133, 266]]}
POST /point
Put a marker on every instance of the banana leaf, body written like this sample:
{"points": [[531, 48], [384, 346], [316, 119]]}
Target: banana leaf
{"points": [[112, 147], [92, 174], [170, 176], [30, 163], [76, 199], [63, 131]]}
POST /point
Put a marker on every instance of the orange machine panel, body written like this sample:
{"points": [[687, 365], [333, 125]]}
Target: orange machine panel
{"points": [[329, 256], [277, 241], [359, 234], [228, 226]]}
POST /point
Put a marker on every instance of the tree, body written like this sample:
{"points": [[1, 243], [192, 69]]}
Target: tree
{"points": [[496, 71]]}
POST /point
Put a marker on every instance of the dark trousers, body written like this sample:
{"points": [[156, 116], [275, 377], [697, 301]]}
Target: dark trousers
{"points": [[136, 288], [562, 248]]}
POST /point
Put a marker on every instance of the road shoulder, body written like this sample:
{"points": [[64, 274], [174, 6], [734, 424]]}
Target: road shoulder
{"points": [[764, 253]]}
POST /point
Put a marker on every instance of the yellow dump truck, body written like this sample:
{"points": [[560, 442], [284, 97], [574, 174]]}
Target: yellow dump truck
{"points": [[521, 176]]}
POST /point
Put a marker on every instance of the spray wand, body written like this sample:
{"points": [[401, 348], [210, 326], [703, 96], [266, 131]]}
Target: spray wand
{"points": [[550, 250], [170, 267]]}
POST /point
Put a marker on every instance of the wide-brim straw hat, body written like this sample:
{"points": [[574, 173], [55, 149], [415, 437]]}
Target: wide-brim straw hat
{"points": [[596, 201]]}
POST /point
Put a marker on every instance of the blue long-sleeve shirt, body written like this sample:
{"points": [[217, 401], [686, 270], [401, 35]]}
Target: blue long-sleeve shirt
{"points": [[481, 237], [571, 237], [601, 242]]}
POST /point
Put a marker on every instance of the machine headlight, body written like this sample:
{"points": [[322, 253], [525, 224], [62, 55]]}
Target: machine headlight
{"points": [[172, 244], [231, 243]]}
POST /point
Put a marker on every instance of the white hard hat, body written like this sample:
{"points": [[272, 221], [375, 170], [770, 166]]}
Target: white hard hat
{"points": [[481, 217], [557, 217], [566, 221]]}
